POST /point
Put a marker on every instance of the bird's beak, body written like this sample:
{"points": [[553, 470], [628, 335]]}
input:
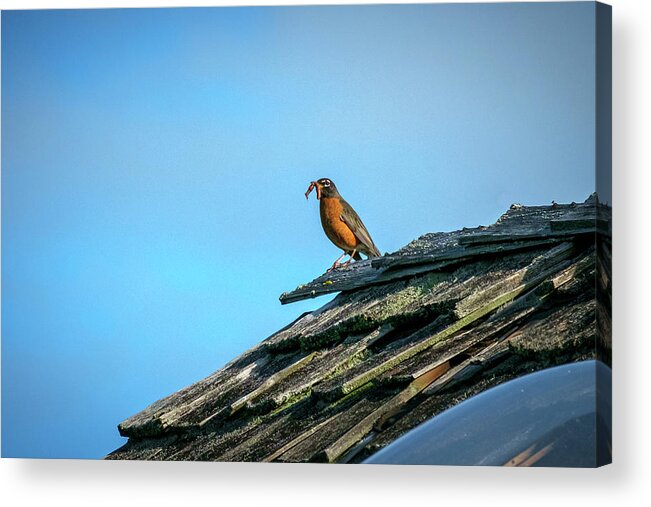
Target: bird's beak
{"points": [[313, 185]]}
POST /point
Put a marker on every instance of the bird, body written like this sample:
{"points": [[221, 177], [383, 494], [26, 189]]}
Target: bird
{"points": [[341, 223]]}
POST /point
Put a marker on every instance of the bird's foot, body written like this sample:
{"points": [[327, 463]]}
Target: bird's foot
{"points": [[334, 266], [351, 256]]}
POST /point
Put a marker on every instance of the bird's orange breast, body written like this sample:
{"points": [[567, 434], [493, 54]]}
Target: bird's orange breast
{"points": [[336, 230]]}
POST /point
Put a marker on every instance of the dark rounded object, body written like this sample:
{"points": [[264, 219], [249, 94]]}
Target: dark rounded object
{"points": [[558, 417]]}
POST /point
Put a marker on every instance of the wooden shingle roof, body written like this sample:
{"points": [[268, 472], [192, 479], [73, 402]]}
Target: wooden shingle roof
{"points": [[409, 335]]}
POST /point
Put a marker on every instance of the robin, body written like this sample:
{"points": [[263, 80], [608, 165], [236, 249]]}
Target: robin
{"points": [[341, 223]]}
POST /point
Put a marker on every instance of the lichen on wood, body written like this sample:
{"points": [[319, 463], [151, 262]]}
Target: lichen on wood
{"points": [[410, 334]]}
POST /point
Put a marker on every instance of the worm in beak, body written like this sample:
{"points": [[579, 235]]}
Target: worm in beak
{"points": [[312, 186]]}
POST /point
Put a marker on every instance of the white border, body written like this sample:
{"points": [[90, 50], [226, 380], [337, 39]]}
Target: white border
{"points": [[627, 482]]}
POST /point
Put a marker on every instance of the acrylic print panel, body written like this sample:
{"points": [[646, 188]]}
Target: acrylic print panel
{"points": [[157, 244]]}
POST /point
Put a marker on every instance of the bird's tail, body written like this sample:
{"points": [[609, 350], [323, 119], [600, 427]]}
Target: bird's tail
{"points": [[373, 251]]}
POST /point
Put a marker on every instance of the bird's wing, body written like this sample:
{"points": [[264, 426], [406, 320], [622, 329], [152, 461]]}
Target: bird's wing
{"points": [[352, 220]]}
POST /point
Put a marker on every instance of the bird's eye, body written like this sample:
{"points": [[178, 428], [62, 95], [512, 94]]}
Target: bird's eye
{"points": [[326, 183]]}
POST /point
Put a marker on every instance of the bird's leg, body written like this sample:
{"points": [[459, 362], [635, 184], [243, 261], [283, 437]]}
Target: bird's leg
{"points": [[350, 259], [336, 263]]}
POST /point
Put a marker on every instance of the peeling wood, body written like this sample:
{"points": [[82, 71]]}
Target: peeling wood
{"points": [[294, 442], [270, 382], [361, 429], [411, 332], [450, 330]]}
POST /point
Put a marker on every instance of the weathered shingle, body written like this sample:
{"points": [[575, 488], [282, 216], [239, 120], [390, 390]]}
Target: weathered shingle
{"points": [[410, 334]]}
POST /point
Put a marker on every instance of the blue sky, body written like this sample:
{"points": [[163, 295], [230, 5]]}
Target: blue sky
{"points": [[154, 164]]}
